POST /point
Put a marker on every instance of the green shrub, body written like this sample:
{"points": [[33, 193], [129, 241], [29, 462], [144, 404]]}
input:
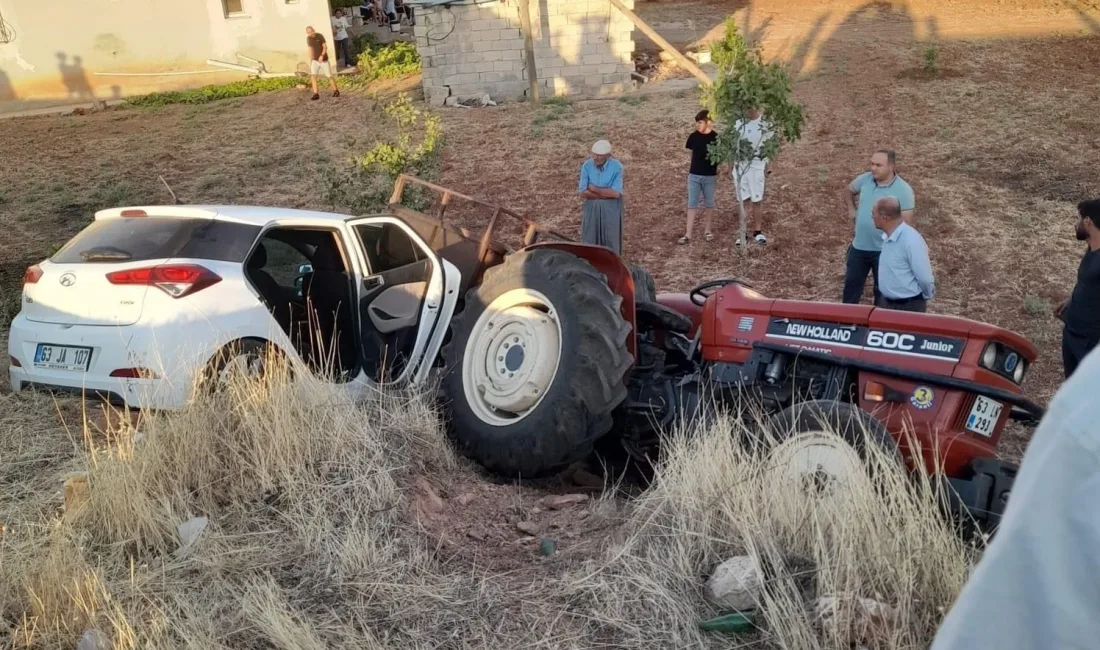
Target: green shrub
{"points": [[390, 61], [365, 186], [931, 57], [214, 92]]}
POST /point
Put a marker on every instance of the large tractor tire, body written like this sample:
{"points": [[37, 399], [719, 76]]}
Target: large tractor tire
{"points": [[824, 446], [536, 364]]}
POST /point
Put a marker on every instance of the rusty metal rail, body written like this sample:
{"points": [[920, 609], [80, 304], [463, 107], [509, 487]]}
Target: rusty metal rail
{"points": [[532, 231]]}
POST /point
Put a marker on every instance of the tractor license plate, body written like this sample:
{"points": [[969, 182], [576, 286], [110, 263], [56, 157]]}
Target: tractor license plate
{"points": [[61, 357], [983, 416]]}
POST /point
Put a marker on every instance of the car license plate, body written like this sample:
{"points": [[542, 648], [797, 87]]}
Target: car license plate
{"points": [[62, 357], [983, 416]]}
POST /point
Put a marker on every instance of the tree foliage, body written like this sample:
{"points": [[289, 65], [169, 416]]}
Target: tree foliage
{"points": [[746, 82]]}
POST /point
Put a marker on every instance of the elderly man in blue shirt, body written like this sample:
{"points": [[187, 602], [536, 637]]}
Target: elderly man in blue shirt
{"points": [[904, 270], [601, 187]]}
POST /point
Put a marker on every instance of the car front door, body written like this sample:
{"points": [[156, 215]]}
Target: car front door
{"points": [[407, 296]]}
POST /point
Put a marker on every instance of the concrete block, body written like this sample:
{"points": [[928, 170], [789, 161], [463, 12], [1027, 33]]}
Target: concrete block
{"points": [[550, 61], [596, 37], [505, 66], [607, 68], [592, 59], [572, 71], [446, 48], [548, 73], [624, 68], [485, 46], [512, 55], [446, 70], [485, 66], [466, 47], [437, 95], [467, 68], [622, 46], [612, 78], [488, 24], [593, 79], [460, 79], [503, 46], [495, 77]]}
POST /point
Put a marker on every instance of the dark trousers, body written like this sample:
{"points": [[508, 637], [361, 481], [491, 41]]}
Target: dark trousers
{"points": [[343, 51], [917, 304], [1075, 348], [855, 274]]}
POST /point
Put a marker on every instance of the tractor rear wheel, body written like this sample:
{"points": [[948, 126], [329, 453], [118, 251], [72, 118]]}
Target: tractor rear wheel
{"points": [[825, 449], [536, 364]]}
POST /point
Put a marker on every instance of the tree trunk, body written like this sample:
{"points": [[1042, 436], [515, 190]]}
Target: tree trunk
{"points": [[744, 217]]}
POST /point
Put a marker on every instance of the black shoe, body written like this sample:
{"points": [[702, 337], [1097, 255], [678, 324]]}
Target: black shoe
{"points": [[315, 97], [336, 93]]}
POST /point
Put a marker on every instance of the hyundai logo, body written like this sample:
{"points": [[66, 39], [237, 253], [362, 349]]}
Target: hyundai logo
{"points": [[1010, 361], [68, 280]]}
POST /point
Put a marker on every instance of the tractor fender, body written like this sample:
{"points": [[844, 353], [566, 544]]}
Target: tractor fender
{"points": [[618, 276]]}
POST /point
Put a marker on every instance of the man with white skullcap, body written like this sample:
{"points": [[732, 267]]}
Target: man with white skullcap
{"points": [[601, 187]]}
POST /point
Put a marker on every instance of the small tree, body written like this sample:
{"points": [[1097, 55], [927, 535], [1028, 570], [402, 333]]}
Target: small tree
{"points": [[745, 82]]}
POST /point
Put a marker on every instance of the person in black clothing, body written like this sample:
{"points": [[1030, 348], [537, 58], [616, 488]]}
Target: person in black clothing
{"points": [[702, 176], [1081, 312]]}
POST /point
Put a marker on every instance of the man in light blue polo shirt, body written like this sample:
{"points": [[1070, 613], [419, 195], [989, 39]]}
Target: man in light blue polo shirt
{"points": [[881, 181], [601, 186], [904, 270]]}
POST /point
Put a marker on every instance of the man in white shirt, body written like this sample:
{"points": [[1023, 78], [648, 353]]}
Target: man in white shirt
{"points": [[340, 27], [1037, 586], [750, 190]]}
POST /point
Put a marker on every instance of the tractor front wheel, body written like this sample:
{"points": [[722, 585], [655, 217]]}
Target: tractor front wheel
{"points": [[826, 449], [536, 364]]}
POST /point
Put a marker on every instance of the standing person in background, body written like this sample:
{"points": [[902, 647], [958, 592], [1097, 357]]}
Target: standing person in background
{"points": [[340, 27], [882, 180], [754, 173], [318, 62], [1080, 313], [702, 175], [904, 270], [601, 187], [1037, 585]]}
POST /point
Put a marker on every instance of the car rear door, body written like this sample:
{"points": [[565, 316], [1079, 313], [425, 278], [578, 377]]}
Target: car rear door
{"points": [[405, 291]]}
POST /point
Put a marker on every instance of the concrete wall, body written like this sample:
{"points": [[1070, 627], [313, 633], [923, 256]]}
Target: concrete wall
{"points": [[58, 47], [582, 47]]}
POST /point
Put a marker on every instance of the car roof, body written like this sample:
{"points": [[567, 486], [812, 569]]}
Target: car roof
{"points": [[249, 214]]}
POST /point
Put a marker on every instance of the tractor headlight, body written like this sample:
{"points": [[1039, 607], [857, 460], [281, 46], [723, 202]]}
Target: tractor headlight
{"points": [[989, 356], [1018, 374]]}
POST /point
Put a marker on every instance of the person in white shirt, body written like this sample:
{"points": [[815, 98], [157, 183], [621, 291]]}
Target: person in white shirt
{"points": [[753, 172], [1037, 586], [340, 27]]}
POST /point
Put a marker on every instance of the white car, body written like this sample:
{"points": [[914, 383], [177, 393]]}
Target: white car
{"points": [[144, 300]]}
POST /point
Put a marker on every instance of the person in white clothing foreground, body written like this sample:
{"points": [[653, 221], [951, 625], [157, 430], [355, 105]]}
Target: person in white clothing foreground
{"points": [[753, 173], [1037, 586]]}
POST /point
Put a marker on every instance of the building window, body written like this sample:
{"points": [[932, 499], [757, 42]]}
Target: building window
{"points": [[233, 7]]}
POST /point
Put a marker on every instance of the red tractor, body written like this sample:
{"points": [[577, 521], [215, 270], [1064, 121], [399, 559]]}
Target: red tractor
{"points": [[556, 346]]}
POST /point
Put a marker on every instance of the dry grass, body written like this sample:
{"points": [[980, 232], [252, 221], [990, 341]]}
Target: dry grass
{"points": [[314, 538]]}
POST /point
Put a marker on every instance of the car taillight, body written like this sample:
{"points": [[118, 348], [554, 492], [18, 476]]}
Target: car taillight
{"points": [[32, 275], [134, 373], [176, 280], [15, 362], [134, 213]]}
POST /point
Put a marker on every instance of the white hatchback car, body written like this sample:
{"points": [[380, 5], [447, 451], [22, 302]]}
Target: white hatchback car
{"points": [[144, 300]]}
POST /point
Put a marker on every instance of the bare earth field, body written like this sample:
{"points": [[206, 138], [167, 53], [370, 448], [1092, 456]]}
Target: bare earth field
{"points": [[355, 527]]}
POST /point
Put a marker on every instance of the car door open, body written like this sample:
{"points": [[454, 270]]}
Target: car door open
{"points": [[406, 298]]}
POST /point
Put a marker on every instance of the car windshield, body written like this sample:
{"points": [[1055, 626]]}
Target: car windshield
{"points": [[133, 239]]}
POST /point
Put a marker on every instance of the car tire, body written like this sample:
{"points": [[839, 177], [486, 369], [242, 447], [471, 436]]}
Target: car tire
{"points": [[250, 354], [536, 364]]}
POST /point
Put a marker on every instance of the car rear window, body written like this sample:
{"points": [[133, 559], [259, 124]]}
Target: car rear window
{"points": [[135, 239]]}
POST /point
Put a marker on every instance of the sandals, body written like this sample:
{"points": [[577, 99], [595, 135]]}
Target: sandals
{"points": [[687, 240]]}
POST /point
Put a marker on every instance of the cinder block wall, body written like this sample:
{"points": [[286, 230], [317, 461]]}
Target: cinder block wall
{"points": [[582, 48]]}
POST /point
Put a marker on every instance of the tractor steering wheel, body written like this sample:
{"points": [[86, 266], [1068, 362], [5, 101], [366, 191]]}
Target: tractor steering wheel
{"points": [[698, 297]]}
